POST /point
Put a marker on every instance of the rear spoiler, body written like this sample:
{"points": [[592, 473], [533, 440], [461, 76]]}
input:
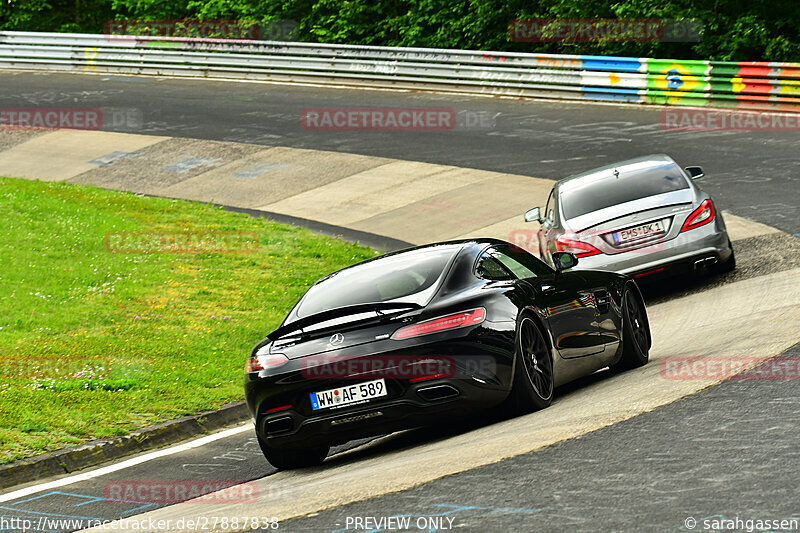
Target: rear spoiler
{"points": [[336, 313]]}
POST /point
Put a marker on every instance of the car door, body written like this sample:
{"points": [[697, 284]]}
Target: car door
{"points": [[570, 306], [547, 231]]}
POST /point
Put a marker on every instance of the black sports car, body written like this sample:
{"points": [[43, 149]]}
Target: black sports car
{"points": [[410, 337]]}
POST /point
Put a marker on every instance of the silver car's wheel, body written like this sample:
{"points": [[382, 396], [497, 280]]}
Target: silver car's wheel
{"points": [[730, 264]]}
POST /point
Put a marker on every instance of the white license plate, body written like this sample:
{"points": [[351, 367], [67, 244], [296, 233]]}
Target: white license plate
{"points": [[650, 229], [358, 393]]}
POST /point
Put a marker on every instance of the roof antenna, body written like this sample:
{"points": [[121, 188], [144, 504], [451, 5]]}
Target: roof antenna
{"points": [[616, 173]]}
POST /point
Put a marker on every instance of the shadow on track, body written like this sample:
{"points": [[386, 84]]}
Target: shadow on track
{"points": [[756, 256], [409, 439]]}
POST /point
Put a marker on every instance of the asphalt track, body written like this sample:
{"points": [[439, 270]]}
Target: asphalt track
{"points": [[698, 324], [235, 459], [724, 453], [753, 175]]}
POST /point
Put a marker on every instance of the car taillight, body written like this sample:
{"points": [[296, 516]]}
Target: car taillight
{"points": [[578, 248], [431, 376], [700, 216], [265, 361], [276, 409], [435, 325]]}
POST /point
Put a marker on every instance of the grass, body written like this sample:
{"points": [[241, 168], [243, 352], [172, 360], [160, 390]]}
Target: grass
{"points": [[95, 344]]}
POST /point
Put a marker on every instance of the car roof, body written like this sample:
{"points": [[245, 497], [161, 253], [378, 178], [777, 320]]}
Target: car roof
{"points": [[456, 245], [629, 165]]}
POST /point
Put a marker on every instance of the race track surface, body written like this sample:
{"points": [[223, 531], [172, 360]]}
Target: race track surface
{"points": [[637, 451], [754, 175]]}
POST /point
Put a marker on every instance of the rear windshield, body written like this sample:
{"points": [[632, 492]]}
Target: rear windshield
{"points": [[410, 276], [582, 198]]}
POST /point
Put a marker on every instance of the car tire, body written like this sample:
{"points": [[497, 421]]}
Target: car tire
{"points": [[636, 337], [730, 264], [284, 459], [532, 387]]}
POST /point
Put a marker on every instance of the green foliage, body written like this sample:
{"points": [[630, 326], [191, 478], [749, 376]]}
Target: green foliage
{"points": [[54, 15], [734, 29], [94, 343]]}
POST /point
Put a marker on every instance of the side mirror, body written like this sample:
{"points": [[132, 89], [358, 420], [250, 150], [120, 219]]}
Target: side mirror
{"points": [[533, 215], [564, 261], [694, 172]]}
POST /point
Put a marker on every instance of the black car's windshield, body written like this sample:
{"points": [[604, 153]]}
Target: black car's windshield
{"points": [[409, 275], [580, 198]]}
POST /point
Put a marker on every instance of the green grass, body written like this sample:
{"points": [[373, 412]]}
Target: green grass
{"points": [[95, 344]]}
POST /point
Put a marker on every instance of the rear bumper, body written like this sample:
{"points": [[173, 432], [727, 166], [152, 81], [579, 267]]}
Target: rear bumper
{"points": [[291, 429], [698, 263], [679, 255], [478, 376]]}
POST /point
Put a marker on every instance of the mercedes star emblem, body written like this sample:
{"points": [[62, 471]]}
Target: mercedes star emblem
{"points": [[336, 338]]}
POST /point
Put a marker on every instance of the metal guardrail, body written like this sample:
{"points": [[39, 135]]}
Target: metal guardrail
{"points": [[748, 85]]}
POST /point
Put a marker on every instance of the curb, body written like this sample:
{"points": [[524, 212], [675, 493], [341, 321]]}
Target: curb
{"points": [[93, 453], [373, 240], [68, 460]]}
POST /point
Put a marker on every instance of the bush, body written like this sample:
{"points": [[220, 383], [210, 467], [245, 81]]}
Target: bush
{"points": [[734, 29]]}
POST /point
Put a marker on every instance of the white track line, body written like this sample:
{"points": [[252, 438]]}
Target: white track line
{"points": [[124, 464]]}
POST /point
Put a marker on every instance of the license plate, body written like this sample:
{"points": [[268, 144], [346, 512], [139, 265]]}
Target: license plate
{"points": [[352, 394], [644, 231]]}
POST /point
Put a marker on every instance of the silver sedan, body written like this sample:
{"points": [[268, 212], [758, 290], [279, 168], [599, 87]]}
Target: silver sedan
{"points": [[644, 217]]}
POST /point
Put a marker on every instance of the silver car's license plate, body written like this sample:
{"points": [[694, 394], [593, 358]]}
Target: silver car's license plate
{"points": [[651, 229]]}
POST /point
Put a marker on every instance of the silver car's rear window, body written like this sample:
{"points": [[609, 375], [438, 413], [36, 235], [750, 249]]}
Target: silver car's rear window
{"points": [[593, 194]]}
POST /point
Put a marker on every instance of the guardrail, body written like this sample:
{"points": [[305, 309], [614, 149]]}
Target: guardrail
{"points": [[749, 85]]}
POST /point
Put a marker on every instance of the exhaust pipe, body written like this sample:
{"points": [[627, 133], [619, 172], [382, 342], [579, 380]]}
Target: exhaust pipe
{"points": [[279, 425], [438, 392], [702, 264]]}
